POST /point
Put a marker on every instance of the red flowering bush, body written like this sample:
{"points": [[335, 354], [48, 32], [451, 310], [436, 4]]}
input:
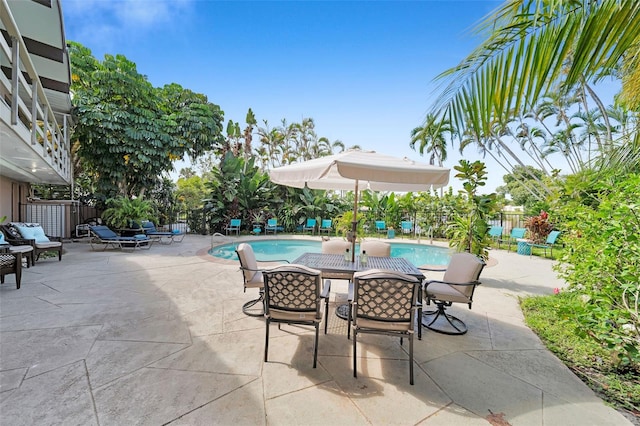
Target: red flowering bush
{"points": [[539, 227]]}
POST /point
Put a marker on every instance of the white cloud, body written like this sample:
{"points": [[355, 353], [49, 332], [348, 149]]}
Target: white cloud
{"points": [[110, 22]]}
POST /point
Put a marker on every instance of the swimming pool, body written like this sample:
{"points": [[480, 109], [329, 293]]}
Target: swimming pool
{"points": [[269, 250]]}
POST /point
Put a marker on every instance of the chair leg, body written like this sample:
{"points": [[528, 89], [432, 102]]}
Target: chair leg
{"points": [[266, 341], [355, 356], [349, 321], [326, 314], [419, 312], [18, 273], [315, 346], [411, 359]]}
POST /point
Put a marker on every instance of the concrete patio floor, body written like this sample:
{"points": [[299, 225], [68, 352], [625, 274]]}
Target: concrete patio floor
{"points": [[158, 337]]}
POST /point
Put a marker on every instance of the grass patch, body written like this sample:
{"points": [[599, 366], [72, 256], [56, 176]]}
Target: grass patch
{"points": [[552, 318]]}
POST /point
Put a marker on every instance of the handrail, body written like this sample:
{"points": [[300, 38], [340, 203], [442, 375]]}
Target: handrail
{"points": [[56, 150]]}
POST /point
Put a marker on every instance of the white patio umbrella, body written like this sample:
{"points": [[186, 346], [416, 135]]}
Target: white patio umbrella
{"points": [[354, 170]]}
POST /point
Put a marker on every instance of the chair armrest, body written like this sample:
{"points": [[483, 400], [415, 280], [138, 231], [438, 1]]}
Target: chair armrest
{"points": [[271, 261], [426, 283], [242, 268], [433, 269], [20, 241]]}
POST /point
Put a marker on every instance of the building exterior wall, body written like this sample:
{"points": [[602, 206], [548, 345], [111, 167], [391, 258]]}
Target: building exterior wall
{"points": [[12, 195]]}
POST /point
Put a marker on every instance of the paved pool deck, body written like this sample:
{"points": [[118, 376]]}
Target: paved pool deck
{"points": [[158, 337]]}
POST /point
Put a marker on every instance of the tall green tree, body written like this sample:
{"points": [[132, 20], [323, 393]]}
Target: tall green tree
{"points": [[128, 133], [432, 138]]}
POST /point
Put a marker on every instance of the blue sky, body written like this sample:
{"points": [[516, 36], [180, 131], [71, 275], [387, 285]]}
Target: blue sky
{"points": [[362, 70]]}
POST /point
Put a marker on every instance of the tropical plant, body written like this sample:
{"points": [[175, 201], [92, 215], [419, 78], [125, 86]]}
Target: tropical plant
{"points": [[536, 47], [538, 227], [238, 189], [539, 64], [123, 212], [468, 232]]}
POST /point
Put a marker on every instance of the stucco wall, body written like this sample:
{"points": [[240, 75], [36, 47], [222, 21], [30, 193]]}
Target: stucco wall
{"points": [[11, 194]]}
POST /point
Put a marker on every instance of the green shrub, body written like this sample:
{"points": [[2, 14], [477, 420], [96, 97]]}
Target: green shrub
{"points": [[602, 266], [124, 212]]}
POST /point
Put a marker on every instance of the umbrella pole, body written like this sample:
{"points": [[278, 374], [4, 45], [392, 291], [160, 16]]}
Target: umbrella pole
{"points": [[354, 226]]}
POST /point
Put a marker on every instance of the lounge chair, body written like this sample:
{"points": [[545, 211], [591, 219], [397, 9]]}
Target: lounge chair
{"points": [[272, 226], [21, 233], [103, 235], [394, 317], [548, 244], [381, 226], [325, 226], [516, 233], [406, 226], [310, 226], [495, 233], [234, 226], [149, 229]]}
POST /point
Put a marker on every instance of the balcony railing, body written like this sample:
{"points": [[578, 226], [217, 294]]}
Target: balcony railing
{"points": [[31, 115]]}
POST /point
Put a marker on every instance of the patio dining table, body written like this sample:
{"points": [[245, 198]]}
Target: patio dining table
{"points": [[335, 266]]}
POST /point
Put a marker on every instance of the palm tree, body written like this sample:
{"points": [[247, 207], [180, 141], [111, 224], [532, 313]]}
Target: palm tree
{"points": [[537, 47], [431, 137]]}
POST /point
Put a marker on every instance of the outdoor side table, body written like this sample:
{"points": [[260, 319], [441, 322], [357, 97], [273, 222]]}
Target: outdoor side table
{"points": [[523, 247]]}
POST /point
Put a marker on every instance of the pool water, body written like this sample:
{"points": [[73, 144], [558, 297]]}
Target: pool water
{"points": [[272, 250]]}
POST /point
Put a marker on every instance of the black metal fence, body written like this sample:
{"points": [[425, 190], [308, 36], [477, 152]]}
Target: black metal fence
{"points": [[61, 219], [434, 223]]}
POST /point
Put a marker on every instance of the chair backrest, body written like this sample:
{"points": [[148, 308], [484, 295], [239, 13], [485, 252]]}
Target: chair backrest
{"points": [[272, 222], [518, 232], [293, 289], [103, 232], [406, 226], [376, 248], [248, 263], [552, 237], [495, 231], [335, 246], [311, 223], [235, 223], [464, 268], [326, 223], [385, 296], [380, 224], [148, 226]]}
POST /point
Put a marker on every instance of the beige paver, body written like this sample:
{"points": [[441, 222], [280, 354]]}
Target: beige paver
{"points": [[158, 337]]}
